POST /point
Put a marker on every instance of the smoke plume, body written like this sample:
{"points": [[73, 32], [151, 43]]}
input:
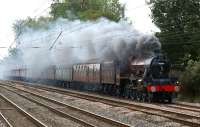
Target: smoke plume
{"points": [[82, 41]]}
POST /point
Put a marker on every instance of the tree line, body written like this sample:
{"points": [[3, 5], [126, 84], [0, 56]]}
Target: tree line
{"points": [[179, 24], [72, 10]]}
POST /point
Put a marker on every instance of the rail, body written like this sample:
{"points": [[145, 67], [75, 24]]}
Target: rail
{"points": [[176, 116], [98, 117], [5, 120], [29, 116]]}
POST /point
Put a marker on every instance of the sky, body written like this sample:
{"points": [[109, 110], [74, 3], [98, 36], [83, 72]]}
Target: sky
{"points": [[11, 10]]}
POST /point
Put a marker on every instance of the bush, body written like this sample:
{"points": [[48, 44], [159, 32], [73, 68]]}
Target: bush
{"points": [[190, 80]]}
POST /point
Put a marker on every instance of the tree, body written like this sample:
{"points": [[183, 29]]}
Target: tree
{"points": [[190, 80], [20, 25], [72, 9], [179, 23], [87, 9], [13, 52]]}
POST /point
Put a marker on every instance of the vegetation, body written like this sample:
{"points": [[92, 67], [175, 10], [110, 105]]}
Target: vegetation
{"points": [[87, 9], [71, 10], [179, 22], [190, 81], [13, 52], [21, 25]]}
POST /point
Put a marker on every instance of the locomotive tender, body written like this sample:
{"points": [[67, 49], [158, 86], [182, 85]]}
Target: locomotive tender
{"points": [[139, 79]]}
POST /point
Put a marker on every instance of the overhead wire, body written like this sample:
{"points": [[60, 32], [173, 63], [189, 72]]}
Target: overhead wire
{"points": [[186, 43], [36, 10], [131, 9], [79, 28], [18, 35]]}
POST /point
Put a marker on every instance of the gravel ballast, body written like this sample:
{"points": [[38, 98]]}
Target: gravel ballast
{"points": [[43, 114], [124, 115]]}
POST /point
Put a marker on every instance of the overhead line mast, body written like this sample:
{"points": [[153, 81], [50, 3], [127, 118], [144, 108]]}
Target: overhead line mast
{"points": [[55, 40]]}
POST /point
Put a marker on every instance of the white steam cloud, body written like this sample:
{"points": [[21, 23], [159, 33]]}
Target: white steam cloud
{"points": [[82, 41]]}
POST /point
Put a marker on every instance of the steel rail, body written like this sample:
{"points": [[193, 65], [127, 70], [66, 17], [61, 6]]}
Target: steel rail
{"points": [[65, 115], [187, 105], [121, 103], [184, 108], [97, 98], [5, 120], [131, 106], [93, 115], [29, 116]]}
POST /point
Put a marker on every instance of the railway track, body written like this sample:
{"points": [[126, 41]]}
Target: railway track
{"points": [[5, 123], [184, 107], [187, 119], [14, 115], [78, 115], [187, 105]]}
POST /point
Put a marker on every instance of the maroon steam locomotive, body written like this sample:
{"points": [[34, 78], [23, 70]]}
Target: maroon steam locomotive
{"points": [[138, 79]]}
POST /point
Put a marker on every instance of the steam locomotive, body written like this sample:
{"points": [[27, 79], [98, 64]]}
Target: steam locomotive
{"points": [[139, 79]]}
